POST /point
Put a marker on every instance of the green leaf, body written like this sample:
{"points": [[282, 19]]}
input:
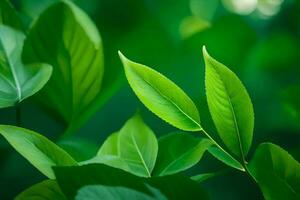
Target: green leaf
{"points": [[65, 37], [178, 152], [276, 172], [229, 105], [138, 146], [45, 190], [203, 177], [9, 16], [110, 146], [18, 81], [72, 179], [225, 158], [108, 154], [99, 192], [133, 149], [38, 150], [163, 97]]}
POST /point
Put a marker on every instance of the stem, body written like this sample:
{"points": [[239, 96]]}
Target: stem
{"points": [[221, 148], [18, 115], [244, 163]]}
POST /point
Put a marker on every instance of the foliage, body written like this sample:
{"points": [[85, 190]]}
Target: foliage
{"points": [[53, 78]]}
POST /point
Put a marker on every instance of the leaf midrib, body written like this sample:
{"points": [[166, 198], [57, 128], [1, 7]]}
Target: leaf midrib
{"points": [[169, 100], [140, 155], [232, 111], [17, 84]]}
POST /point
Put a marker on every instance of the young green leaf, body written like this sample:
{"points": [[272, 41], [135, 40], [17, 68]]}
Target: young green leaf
{"points": [[9, 15], [276, 172], [229, 105], [138, 146], [38, 150], [178, 152], [173, 187], [45, 190], [18, 81], [65, 37], [163, 97], [133, 149]]}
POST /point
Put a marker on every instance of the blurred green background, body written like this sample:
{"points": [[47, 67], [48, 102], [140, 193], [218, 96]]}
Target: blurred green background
{"points": [[257, 39]]}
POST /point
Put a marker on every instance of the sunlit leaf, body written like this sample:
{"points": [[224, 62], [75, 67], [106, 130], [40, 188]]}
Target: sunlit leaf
{"points": [[18, 81], [138, 146], [276, 172], [133, 149], [160, 95], [229, 105], [38, 150]]}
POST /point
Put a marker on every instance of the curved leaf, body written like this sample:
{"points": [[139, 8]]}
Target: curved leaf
{"points": [[65, 37], [276, 172], [178, 152], [9, 16], [38, 150], [229, 105], [138, 146], [45, 190], [18, 81], [160, 95]]}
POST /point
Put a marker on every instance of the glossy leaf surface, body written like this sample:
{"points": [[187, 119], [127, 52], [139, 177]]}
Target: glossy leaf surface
{"points": [[161, 96], [229, 105]]}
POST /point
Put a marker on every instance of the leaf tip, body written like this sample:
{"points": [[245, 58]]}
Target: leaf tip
{"points": [[204, 51], [122, 57]]}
